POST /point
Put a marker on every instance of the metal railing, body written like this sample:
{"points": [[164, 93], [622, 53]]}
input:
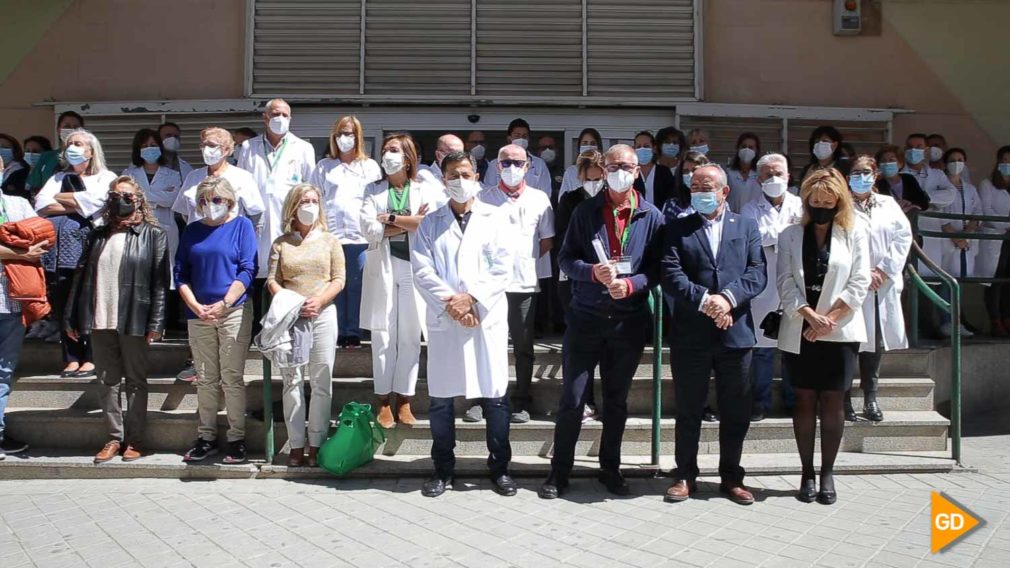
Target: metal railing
{"points": [[656, 306], [268, 395]]}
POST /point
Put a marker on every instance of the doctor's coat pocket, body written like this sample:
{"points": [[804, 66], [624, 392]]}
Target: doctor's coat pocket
{"points": [[438, 321]]}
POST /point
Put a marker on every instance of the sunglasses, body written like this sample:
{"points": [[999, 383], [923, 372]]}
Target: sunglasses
{"points": [[626, 167], [214, 200], [516, 163], [125, 197]]}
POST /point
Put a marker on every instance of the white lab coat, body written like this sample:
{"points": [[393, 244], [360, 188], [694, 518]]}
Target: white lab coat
{"points": [[570, 180], [890, 236], [771, 222], [184, 168], [343, 186], [377, 287], [161, 193], [249, 202], [941, 194], [996, 203], [742, 191], [538, 175], [529, 219], [848, 279], [469, 362], [276, 172], [967, 202], [90, 202]]}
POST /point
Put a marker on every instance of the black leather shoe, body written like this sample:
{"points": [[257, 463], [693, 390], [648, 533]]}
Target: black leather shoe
{"points": [[504, 485], [850, 414], [827, 495], [757, 415], [555, 485], [808, 490], [615, 483], [709, 415], [873, 412], [436, 486]]}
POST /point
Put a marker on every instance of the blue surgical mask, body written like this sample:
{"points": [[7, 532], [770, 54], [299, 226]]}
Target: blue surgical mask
{"points": [[670, 150], [861, 183], [1004, 169], [705, 202], [702, 149], [150, 154], [7, 155], [915, 156], [889, 169], [687, 178], [32, 158], [75, 155], [644, 155]]}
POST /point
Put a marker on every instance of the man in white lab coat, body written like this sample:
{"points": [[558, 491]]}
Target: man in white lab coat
{"points": [[278, 160], [936, 185], [447, 144], [538, 175], [461, 267]]}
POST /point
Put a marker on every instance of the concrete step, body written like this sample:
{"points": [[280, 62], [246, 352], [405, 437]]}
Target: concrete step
{"points": [[165, 393], [63, 464], [176, 430], [167, 358]]}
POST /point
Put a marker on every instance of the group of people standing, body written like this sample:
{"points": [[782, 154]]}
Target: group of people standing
{"points": [[457, 252]]}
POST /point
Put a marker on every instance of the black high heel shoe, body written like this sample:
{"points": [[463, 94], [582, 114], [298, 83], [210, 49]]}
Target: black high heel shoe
{"points": [[808, 489], [827, 496]]}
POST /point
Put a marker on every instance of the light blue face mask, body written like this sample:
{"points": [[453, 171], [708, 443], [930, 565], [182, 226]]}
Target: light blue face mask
{"points": [[150, 154], [889, 169], [7, 155], [702, 149], [75, 155], [644, 155], [915, 156], [861, 183], [704, 202], [1004, 169], [670, 150], [32, 158], [687, 179]]}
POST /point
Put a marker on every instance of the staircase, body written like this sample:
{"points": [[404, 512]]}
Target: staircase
{"points": [[61, 420]]}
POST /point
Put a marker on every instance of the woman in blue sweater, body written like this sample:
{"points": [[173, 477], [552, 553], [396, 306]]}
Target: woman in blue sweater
{"points": [[214, 267]]}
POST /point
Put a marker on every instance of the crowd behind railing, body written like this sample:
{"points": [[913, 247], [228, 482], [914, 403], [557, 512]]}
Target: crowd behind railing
{"points": [[475, 251]]}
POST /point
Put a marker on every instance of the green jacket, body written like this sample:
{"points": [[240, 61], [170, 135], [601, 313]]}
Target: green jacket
{"points": [[44, 169]]}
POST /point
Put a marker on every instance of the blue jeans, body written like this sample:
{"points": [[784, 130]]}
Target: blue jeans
{"points": [[349, 300], [442, 417], [762, 368], [12, 334]]}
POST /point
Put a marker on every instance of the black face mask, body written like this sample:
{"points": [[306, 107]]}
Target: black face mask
{"points": [[122, 209], [822, 215]]}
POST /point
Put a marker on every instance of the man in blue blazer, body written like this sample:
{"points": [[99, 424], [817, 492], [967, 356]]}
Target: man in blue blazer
{"points": [[713, 266]]}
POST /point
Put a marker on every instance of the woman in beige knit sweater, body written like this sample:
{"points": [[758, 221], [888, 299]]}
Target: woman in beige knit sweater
{"points": [[309, 260]]}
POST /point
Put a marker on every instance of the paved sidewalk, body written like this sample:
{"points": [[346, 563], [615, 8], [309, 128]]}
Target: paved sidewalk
{"points": [[878, 521]]}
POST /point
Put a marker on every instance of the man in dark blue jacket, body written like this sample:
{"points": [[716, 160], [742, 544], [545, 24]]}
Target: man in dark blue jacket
{"points": [[608, 322], [713, 266]]}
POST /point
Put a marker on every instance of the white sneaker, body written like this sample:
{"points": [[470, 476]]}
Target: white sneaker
{"points": [[588, 413], [965, 332], [945, 329]]}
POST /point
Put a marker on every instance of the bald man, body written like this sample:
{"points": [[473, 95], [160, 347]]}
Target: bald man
{"points": [[611, 254], [446, 144]]}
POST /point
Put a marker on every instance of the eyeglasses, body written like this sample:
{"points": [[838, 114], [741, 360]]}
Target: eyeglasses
{"points": [[510, 163], [125, 197], [214, 200], [625, 167]]}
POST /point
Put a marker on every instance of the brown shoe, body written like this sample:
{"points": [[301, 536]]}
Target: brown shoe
{"points": [[737, 494], [132, 453], [385, 415], [313, 459], [110, 451], [403, 414], [680, 491], [297, 457]]}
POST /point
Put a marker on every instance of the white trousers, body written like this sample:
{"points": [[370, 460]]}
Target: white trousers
{"points": [[396, 352], [319, 371]]}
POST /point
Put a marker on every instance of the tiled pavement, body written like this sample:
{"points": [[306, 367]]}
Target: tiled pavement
{"points": [[879, 520]]}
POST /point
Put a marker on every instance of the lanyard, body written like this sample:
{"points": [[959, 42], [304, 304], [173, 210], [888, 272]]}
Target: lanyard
{"points": [[277, 155], [626, 233], [400, 204], [3, 210]]}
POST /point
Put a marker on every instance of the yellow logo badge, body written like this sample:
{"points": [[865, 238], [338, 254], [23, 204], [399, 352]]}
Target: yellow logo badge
{"points": [[950, 521]]}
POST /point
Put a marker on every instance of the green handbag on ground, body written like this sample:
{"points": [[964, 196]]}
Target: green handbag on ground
{"points": [[355, 441]]}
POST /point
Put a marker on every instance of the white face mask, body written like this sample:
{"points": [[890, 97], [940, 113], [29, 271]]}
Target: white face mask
{"points": [[774, 186], [392, 162], [548, 155], [478, 152], [593, 187], [345, 143], [462, 190], [65, 132], [172, 144], [512, 176], [521, 142], [955, 168], [620, 181], [212, 156], [586, 148], [701, 149], [308, 213], [215, 212], [822, 150], [279, 125], [935, 153], [746, 155]]}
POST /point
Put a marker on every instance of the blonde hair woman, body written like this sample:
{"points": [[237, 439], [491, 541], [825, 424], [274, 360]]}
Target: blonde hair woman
{"points": [[823, 278], [309, 261], [342, 179], [214, 268]]}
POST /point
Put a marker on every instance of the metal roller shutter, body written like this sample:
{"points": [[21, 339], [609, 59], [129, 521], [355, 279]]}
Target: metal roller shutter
{"points": [[306, 47], [865, 137], [529, 48], [723, 132], [641, 48], [417, 47]]}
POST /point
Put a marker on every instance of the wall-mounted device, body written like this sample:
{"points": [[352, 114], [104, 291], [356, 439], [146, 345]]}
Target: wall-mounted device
{"points": [[846, 17]]}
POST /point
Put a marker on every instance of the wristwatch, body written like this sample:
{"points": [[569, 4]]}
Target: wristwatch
{"points": [[392, 218]]}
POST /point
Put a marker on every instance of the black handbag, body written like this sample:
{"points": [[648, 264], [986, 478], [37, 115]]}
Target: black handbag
{"points": [[770, 325]]}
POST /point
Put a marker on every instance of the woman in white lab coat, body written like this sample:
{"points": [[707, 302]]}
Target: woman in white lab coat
{"points": [[390, 308], [993, 259], [160, 183], [742, 174], [890, 236], [958, 255], [589, 139]]}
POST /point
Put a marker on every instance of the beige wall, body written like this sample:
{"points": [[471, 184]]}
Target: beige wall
{"points": [[101, 50], [783, 52]]}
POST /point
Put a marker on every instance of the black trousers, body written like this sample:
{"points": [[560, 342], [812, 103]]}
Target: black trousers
{"points": [[522, 313], [80, 350], [691, 371], [615, 345]]}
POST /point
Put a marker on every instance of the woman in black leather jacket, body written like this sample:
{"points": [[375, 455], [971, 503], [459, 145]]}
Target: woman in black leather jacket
{"points": [[118, 296]]}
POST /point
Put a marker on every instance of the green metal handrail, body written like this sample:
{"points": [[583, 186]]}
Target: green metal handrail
{"points": [[656, 306], [268, 396]]}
